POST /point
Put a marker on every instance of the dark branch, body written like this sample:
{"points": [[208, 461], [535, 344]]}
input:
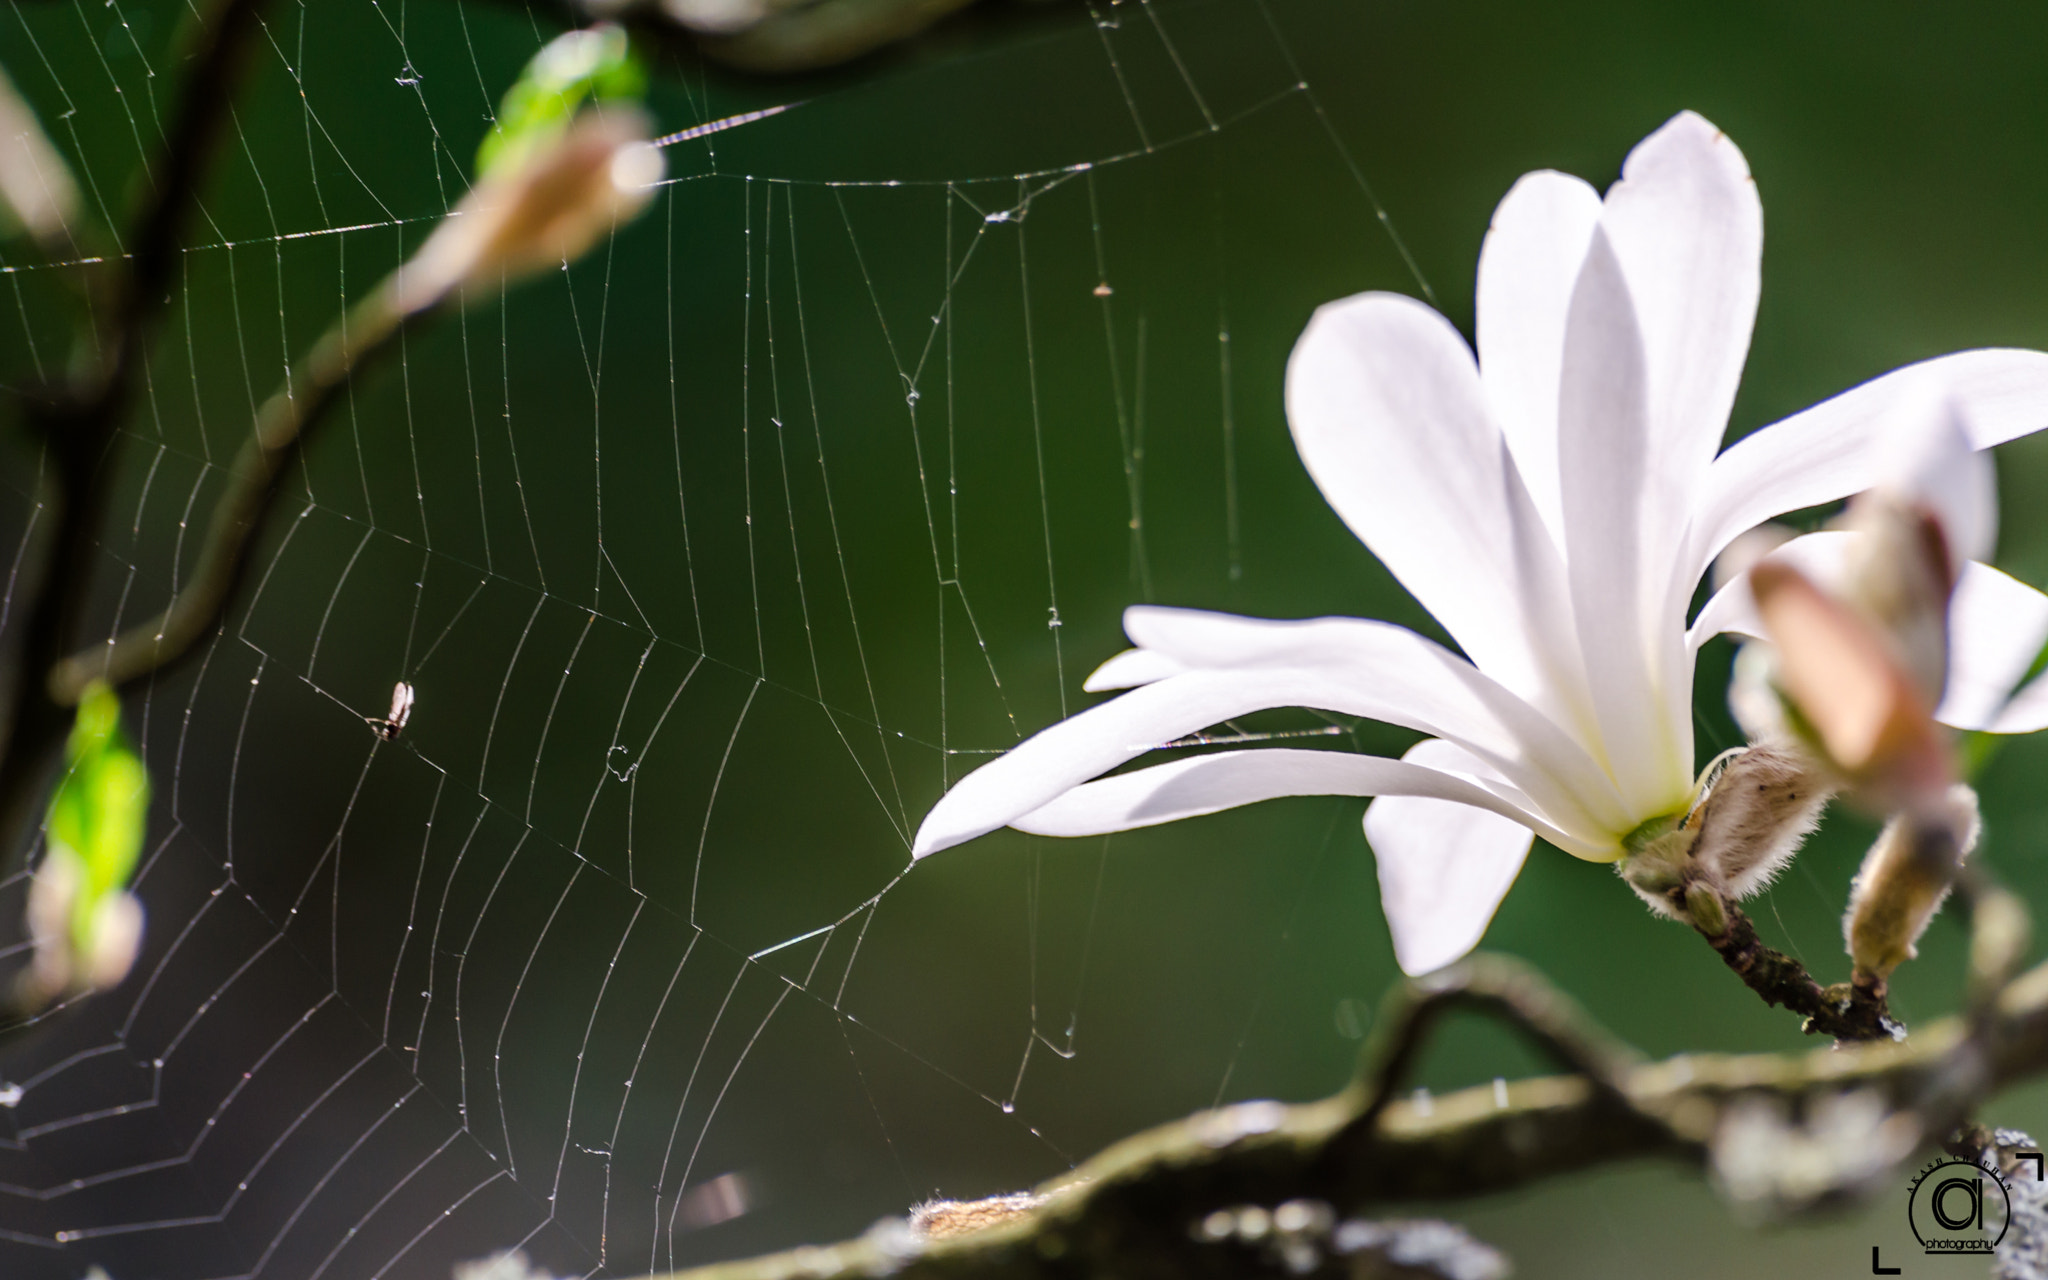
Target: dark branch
{"points": [[1853, 1011], [78, 423]]}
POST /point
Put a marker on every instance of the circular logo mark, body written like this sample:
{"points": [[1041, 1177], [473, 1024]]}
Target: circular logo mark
{"points": [[1956, 1207]]}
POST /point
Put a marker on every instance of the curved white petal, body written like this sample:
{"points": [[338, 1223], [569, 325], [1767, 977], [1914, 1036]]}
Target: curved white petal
{"points": [[1619, 539], [1836, 448], [1688, 229], [1822, 556], [1387, 411], [2027, 712], [1996, 627], [1464, 704], [1390, 674], [1225, 780], [1130, 669], [1932, 462], [1527, 268], [1443, 867]]}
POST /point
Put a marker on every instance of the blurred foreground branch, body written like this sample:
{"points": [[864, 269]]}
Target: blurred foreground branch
{"points": [[76, 421], [1778, 1133], [784, 37], [554, 178]]}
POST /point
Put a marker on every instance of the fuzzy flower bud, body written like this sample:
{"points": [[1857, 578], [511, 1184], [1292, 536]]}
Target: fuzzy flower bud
{"points": [[1904, 879], [1753, 809], [545, 207]]}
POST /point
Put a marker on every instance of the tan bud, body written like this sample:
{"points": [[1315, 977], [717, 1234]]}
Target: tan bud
{"points": [[52, 894], [116, 937], [1899, 577], [1904, 879], [546, 209], [36, 189], [1856, 700]]}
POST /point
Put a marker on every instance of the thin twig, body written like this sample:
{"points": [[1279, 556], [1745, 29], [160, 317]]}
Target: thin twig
{"points": [[1849, 1011], [253, 478]]}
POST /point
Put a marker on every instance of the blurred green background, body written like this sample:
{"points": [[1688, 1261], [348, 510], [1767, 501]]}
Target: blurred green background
{"points": [[715, 557]]}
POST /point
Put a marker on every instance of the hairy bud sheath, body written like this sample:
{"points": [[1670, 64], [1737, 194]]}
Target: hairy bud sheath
{"points": [[1904, 879], [1754, 809]]}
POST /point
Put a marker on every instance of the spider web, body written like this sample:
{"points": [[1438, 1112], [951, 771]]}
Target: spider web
{"points": [[713, 559]]}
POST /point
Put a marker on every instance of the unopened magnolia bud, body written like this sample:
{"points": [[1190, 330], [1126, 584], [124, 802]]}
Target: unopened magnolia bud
{"points": [[1899, 577], [1851, 697], [543, 209], [1904, 879]]}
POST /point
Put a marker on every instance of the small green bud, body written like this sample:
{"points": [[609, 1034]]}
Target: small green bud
{"points": [[1659, 867], [1708, 913], [595, 64]]}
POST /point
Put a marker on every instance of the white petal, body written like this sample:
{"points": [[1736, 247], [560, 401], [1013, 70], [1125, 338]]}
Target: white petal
{"points": [[1443, 868], [1130, 669], [1395, 663], [1527, 268], [1688, 230], [1822, 556], [1390, 674], [1836, 448], [1388, 414], [1618, 542], [1211, 783], [2028, 710], [1931, 461], [1996, 627]]}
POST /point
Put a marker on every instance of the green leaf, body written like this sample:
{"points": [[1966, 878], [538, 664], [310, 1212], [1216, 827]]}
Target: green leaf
{"points": [[100, 813], [596, 63]]}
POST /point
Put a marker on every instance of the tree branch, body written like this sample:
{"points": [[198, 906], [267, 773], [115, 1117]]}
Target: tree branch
{"points": [[253, 478], [1139, 1209], [1848, 1011]]}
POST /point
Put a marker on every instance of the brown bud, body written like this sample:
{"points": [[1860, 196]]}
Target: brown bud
{"points": [[546, 209], [1857, 702]]}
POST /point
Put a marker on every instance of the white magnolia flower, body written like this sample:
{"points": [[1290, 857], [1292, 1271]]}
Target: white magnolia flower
{"points": [[1553, 505]]}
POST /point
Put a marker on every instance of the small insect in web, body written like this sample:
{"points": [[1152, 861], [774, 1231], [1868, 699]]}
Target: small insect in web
{"points": [[392, 723]]}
